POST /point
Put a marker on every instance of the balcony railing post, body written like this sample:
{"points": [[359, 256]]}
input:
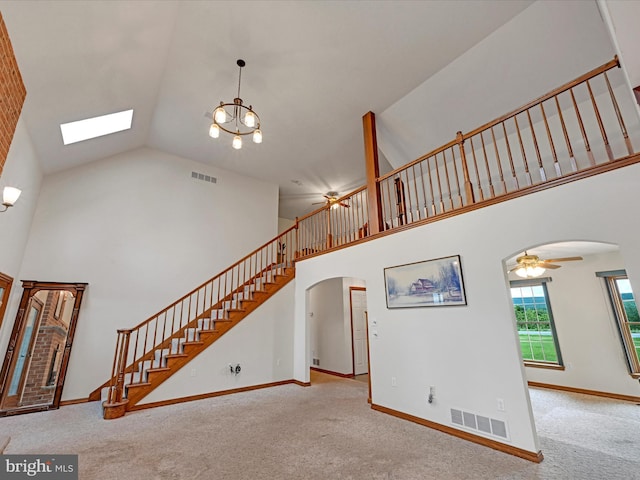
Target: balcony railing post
{"points": [[468, 188], [373, 172], [297, 249], [329, 237]]}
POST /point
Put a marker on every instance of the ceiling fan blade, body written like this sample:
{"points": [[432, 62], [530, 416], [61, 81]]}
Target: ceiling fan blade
{"points": [[548, 265], [318, 203], [345, 205], [564, 259]]}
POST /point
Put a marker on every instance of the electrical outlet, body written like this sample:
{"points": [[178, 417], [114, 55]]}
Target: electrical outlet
{"points": [[277, 362], [394, 383], [500, 404], [432, 390], [193, 372]]}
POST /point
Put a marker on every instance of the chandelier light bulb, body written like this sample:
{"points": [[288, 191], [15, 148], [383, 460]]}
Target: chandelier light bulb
{"points": [[214, 131], [237, 142], [257, 136], [220, 116], [250, 119]]}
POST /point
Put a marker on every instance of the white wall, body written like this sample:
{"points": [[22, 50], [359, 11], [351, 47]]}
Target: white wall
{"points": [[21, 170], [142, 233], [262, 344], [285, 224], [471, 353], [590, 345], [546, 45]]}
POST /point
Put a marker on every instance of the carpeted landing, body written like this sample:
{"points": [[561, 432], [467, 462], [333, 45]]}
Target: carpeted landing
{"points": [[326, 431]]}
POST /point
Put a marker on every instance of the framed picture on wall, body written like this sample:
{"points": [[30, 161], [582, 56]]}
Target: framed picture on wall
{"points": [[430, 283]]}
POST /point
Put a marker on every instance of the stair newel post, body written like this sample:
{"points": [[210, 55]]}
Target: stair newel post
{"points": [[122, 363], [115, 405], [468, 188]]}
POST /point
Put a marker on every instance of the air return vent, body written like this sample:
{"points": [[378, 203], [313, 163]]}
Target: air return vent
{"points": [[203, 177], [487, 425]]}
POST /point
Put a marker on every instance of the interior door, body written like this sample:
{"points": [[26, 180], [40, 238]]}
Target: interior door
{"points": [[20, 368], [359, 326]]}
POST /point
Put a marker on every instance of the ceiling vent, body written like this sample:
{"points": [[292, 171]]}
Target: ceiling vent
{"points": [[203, 177]]}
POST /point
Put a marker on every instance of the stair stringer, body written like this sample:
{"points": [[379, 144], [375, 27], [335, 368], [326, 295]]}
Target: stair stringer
{"points": [[157, 376]]}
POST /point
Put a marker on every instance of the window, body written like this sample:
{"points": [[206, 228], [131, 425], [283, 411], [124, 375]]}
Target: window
{"points": [[534, 320], [73, 132], [626, 313]]}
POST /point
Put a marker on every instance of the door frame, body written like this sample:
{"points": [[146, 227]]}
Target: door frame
{"points": [[8, 282], [353, 346], [30, 288], [366, 330]]}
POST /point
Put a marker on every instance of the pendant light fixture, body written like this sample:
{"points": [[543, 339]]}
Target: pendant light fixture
{"points": [[236, 118]]}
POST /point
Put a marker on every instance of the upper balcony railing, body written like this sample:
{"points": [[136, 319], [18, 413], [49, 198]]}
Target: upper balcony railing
{"points": [[576, 130]]}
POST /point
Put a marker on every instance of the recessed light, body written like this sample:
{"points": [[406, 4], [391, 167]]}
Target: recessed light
{"points": [[73, 132]]}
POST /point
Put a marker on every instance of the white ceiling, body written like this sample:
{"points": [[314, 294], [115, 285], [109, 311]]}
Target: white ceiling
{"points": [[313, 69]]}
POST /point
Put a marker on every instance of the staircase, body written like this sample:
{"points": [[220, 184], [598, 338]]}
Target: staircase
{"points": [[157, 348]]}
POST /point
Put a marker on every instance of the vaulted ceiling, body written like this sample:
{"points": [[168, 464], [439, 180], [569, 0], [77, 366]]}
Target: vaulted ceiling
{"points": [[313, 69]]}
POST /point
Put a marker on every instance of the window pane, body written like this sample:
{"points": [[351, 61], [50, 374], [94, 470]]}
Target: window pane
{"points": [[626, 313], [534, 323]]}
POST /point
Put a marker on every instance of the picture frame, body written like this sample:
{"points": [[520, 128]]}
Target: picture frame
{"points": [[428, 283]]}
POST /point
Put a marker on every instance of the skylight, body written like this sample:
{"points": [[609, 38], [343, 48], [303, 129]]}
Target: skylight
{"points": [[73, 132]]}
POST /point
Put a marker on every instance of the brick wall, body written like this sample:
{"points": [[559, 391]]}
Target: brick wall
{"points": [[12, 93]]}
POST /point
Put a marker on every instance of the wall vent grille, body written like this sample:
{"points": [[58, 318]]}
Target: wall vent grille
{"points": [[203, 177], [471, 421]]}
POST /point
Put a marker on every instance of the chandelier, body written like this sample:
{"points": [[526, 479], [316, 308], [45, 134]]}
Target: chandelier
{"points": [[236, 118]]}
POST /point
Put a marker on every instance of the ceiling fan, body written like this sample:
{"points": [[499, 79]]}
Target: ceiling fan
{"points": [[528, 266], [332, 200]]}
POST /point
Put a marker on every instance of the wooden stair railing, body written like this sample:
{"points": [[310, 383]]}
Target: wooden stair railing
{"points": [[576, 130], [552, 137], [149, 353]]}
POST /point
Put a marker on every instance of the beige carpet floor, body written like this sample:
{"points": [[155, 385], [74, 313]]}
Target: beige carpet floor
{"points": [[326, 431]]}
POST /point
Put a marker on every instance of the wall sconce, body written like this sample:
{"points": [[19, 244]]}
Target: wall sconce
{"points": [[9, 197]]}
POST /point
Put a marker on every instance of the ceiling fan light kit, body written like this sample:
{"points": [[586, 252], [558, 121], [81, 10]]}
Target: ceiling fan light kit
{"points": [[332, 201], [532, 266], [236, 118]]}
